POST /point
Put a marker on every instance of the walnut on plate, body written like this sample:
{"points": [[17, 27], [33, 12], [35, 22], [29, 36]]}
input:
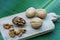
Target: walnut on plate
{"points": [[8, 26], [36, 23], [12, 34], [20, 32], [23, 30], [41, 13], [18, 21], [30, 12]]}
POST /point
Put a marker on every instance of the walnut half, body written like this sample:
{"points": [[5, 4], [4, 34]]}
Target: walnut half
{"points": [[8, 26], [12, 34], [20, 32], [18, 21]]}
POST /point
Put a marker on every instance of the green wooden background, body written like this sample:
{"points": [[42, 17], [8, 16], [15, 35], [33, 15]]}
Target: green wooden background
{"points": [[10, 7]]}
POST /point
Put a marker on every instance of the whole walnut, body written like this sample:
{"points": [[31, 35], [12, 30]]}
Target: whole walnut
{"points": [[30, 12], [36, 23], [41, 13]]}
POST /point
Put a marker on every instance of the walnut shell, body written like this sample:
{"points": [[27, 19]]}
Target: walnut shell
{"points": [[23, 30], [30, 12], [36, 23], [41, 13]]}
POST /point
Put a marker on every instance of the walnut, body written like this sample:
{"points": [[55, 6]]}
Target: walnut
{"points": [[12, 34], [41, 13], [7, 26], [22, 30], [30, 12], [18, 21], [36, 23]]}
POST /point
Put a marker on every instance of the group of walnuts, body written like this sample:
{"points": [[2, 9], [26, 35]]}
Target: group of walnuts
{"points": [[18, 22], [37, 16]]}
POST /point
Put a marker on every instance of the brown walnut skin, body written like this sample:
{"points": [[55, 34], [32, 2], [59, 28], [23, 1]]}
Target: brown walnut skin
{"points": [[18, 21]]}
